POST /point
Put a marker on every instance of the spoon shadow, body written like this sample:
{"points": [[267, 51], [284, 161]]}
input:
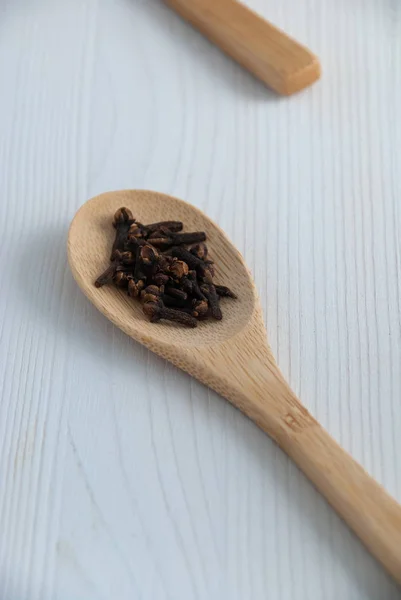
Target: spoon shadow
{"points": [[208, 60], [55, 302]]}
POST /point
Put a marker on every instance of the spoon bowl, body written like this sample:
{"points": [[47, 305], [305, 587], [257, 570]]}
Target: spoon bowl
{"points": [[233, 357], [91, 237]]}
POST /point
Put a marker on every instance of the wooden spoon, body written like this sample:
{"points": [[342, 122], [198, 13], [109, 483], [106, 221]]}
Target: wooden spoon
{"points": [[270, 54], [234, 358]]}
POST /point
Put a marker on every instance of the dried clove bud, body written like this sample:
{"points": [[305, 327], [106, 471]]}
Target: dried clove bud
{"points": [[121, 279], [176, 293], [137, 231], [195, 288], [200, 251], [164, 226], [210, 268], [200, 309], [192, 261], [208, 275], [156, 311], [107, 276], [149, 298], [172, 301], [176, 239], [134, 240], [165, 262], [152, 289], [123, 219], [187, 285], [188, 238], [210, 292], [161, 279], [225, 292], [123, 216], [138, 271], [135, 287], [149, 255], [178, 269], [127, 258], [161, 242], [150, 294]]}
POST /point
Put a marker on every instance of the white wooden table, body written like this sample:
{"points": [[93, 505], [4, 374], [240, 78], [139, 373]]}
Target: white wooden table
{"points": [[120, 477]]}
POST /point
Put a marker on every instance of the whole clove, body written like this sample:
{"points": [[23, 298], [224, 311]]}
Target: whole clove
{"points": [[178, 269], [132, 242], [161, 278], [121, 279], [123, 220], [164, 226], [135, 287], [225, 292], [196, 290], [135, 231], [151, 294], [211, 295], [163, 241], [192, 261], [168, 270], [172, 301], [200, 309], [156, 311], [127, 258], [149, 256], [177, 293], [199, 250], [107, 276]]}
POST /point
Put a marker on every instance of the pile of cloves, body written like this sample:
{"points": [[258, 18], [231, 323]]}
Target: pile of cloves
{"points": [[168, 270]]}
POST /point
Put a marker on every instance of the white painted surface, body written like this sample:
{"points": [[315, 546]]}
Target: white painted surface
{"points": [[119, 476]]}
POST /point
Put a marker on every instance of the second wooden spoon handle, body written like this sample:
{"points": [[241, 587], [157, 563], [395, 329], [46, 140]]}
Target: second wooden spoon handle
{"points": [[364, 504], [282, 63]]}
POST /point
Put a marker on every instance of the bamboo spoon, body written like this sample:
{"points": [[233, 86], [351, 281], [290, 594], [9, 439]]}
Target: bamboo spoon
{"points": [[233, 358], [270, 54]]}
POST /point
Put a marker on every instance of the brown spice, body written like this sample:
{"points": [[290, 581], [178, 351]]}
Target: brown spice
{"points": [[156, 311], [164, 226], [169, 271], [199, 250], [178, 269], [135, 287], [123, 219], [164, 241], [225, 292], [210, 292], [121, 279]]}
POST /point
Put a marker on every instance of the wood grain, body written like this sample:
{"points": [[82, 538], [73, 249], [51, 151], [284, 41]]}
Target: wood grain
{"points": [[113, 485]]}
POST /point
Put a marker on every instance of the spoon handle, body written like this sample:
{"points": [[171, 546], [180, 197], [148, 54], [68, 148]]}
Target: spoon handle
{"points": [[246, 373], [364, 504], [370, 512], [282, 63]]}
